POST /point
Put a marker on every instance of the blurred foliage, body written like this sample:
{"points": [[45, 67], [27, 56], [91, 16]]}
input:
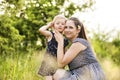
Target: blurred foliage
{"points": [[10, 38], [19, 31], [23, 18], [116, 50], [105, 48]]}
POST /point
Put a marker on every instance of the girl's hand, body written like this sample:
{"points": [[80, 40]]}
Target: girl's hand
{"points": [[59, 37], [50, 24]]}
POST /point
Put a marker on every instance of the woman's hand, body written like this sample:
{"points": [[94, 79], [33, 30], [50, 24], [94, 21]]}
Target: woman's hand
{"points": [[60, 50], [59, 37]]}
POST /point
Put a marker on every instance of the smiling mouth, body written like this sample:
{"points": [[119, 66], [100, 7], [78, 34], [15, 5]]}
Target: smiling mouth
{"points": [[59, 28], [67, 32]]}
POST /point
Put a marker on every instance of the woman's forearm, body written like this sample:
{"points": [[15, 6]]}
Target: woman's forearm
{"points": [[60, 54]]}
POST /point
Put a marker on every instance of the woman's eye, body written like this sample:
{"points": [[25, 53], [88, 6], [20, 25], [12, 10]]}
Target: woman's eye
{"points": [[65, 26], [71, 27]]}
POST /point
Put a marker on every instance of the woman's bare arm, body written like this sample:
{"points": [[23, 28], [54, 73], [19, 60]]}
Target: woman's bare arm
{"points": [[70, 54]]}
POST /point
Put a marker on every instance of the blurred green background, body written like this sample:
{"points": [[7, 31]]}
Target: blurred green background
{"points": [[22, 46]]}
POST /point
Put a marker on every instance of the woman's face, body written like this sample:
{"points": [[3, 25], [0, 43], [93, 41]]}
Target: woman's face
{"points": [[70, 31]]}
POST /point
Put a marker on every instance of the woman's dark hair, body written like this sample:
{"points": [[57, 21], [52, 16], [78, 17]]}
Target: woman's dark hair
{"points": [[78, 24]]}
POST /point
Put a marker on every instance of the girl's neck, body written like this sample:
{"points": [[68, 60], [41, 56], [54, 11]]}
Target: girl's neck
{"points": [[59, 32]]}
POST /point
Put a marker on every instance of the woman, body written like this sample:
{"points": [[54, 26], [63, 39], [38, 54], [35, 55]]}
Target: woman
{"points": [[79, 57]]}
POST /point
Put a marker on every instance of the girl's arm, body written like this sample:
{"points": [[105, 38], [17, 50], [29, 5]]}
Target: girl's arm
{"points": [[43, 30]]}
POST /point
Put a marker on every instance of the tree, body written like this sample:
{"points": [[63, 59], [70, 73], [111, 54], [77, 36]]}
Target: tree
{"points": [[116, 43], [29, 15], [10, 38], [105, 48]]}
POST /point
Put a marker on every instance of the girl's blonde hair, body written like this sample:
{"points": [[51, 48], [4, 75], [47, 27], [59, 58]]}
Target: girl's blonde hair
{"points": [[59, 17]]}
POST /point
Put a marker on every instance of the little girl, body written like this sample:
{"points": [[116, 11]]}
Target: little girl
{"points": [[49, 63]]}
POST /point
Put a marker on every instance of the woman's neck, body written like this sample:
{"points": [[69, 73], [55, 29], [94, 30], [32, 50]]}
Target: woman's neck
{"points": [[73, 38]]}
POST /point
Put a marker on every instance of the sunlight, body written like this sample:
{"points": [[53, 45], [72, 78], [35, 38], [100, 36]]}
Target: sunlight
{"points": [[104, 18], [106, 15]]}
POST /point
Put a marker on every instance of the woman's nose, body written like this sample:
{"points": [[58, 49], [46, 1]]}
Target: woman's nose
{"points": [[66, 29]]}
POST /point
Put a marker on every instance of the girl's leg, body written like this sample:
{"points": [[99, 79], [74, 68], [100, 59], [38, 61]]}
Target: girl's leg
{"points": [[48, 78]]}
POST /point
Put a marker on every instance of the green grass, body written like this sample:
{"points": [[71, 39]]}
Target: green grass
{"points": [[111, 70], [25, 67], [20, 66]]}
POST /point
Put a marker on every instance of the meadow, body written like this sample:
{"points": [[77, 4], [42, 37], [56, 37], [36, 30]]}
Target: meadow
{"points": [[20, 66], [25, 66]]}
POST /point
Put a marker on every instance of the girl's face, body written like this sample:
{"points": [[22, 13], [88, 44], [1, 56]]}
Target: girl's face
{"points": [[70, 31], [59, 24]]}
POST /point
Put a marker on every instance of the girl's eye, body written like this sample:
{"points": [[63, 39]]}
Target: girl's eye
{"points": [[57, 23]]}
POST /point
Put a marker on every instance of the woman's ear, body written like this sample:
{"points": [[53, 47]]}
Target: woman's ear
{"points": [[78, 31]]}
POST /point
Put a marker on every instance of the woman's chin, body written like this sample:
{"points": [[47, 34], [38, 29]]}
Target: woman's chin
{"points": [[68, 37]]}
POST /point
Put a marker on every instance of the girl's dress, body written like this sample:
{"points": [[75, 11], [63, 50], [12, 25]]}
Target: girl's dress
{"points": [[85, 66], [49, 64]]}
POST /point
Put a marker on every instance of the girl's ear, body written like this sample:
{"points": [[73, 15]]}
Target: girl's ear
{"points": [[52, 24]]}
